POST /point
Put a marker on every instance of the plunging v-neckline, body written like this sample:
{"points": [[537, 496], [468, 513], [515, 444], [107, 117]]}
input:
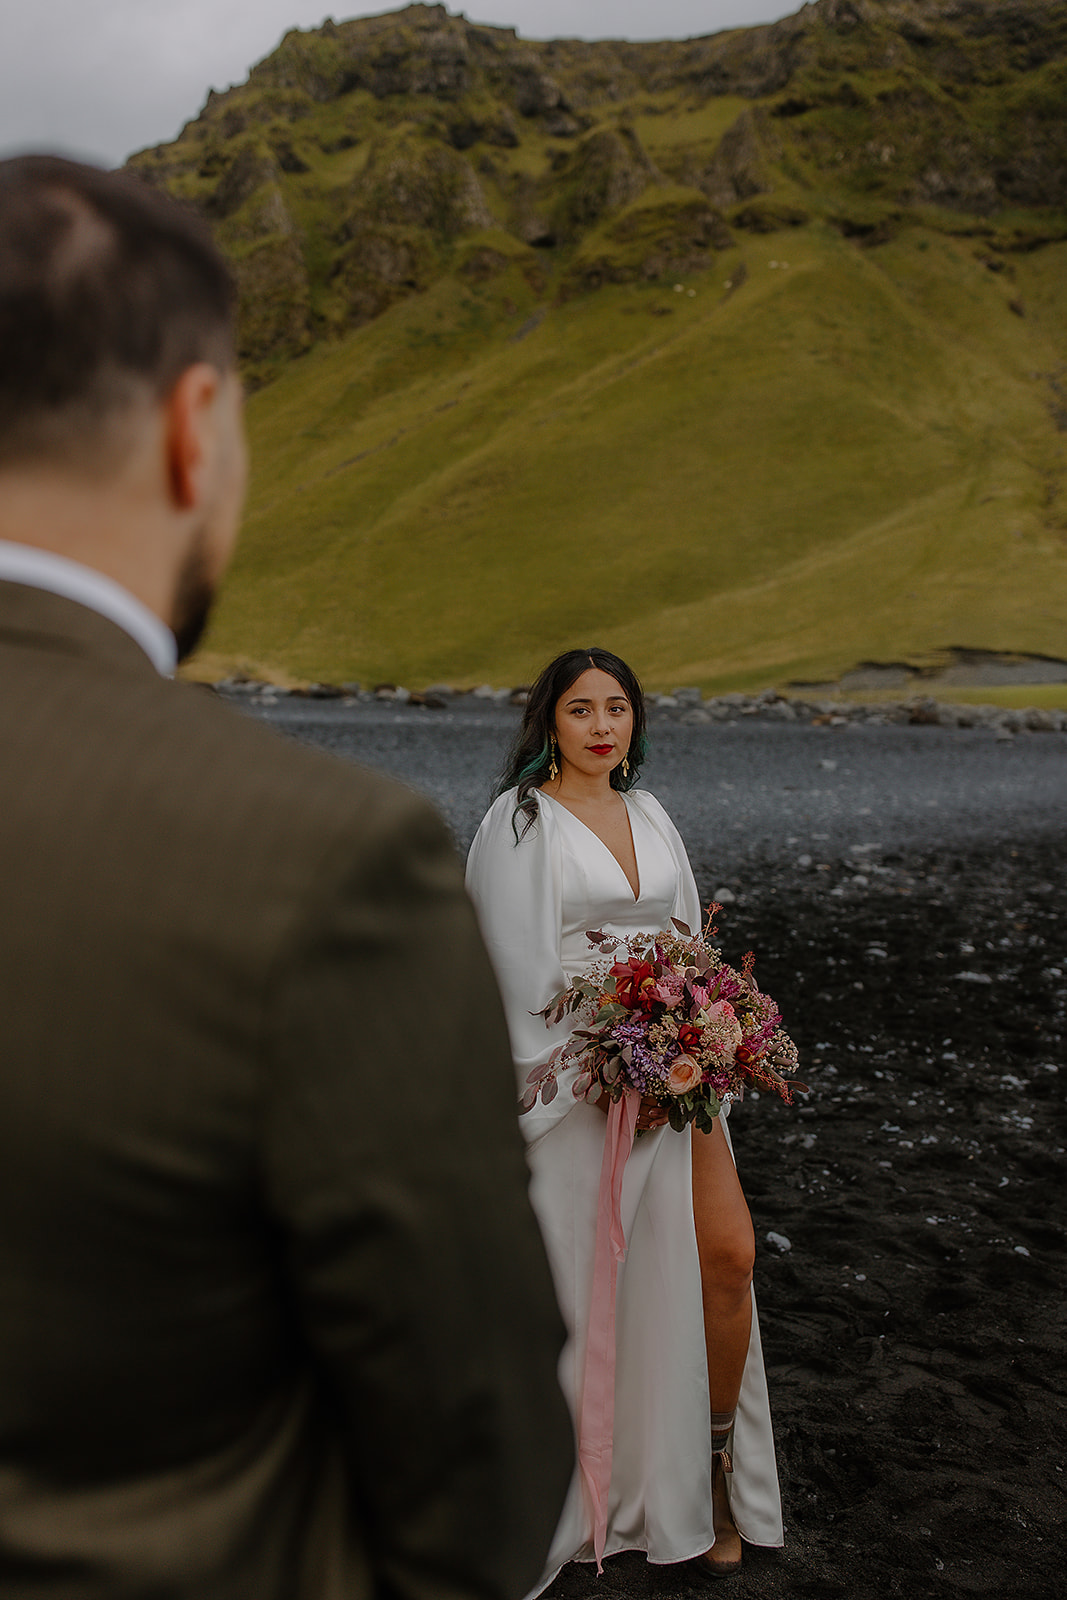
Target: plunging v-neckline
{"points": [[633, 840]]}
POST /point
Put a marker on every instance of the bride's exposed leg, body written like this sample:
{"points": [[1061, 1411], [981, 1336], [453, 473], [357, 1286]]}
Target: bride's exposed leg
{"points": [[726, 1246]]}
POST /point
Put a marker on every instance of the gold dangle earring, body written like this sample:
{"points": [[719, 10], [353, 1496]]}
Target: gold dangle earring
{"points": [[553, 770], [626, 766]]}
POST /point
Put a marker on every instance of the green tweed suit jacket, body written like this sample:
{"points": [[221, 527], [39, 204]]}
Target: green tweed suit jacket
{"points": [[275, 1317]]}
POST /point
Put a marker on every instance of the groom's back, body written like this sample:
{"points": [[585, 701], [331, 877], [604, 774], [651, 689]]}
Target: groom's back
{"points": [[156, 1429], [152, 1427], [221, 1276]]}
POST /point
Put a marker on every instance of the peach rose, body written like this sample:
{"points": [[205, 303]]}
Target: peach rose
{"points": [[684, 1075]]}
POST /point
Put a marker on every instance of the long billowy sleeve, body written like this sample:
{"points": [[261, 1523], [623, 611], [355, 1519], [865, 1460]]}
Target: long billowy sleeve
{"points": [[517, 892]]}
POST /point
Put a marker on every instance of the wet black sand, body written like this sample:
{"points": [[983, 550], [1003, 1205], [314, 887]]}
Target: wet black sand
{"points": [[915, 1329], [915, 1333]]}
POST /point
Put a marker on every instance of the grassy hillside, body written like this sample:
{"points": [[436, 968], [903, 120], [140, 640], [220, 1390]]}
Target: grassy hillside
{"points": [[846, 457], [746, 357]]}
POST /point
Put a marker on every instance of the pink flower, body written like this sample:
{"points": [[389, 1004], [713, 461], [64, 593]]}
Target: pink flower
{"points": [[721, 1030], [684, 1075]]}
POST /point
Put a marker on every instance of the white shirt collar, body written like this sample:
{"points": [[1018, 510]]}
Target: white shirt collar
{"points": [[42, 569]]}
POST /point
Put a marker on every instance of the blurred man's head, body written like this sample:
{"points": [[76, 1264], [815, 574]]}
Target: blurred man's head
{"points": [[117, 378]]}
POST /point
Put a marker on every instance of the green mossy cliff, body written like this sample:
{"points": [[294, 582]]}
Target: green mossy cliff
{"points": [[357, 160], [744, 355]]}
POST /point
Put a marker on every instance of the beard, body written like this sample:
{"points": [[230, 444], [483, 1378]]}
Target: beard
{"points": [[193, 598]]}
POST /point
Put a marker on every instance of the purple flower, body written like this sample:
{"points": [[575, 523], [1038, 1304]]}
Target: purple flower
{"points": [[645, 1066]]}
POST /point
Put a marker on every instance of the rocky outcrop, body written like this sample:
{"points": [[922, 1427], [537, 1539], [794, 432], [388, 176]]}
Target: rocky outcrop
{"points": [[383, 264], [672, 239], [411, 198], [499, 130], [419, 51], [418, 184], [606, 171], [250, 170], [741, 166], [274, 300]]}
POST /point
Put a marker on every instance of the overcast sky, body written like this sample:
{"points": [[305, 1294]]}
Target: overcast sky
{"points": [[101, 78]]}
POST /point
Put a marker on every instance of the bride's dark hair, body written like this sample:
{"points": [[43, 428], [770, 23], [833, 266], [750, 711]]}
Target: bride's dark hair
{"points": [[529, 758]]}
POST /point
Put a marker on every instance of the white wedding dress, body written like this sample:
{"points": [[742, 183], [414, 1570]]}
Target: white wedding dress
{"points": [[535, 901]]}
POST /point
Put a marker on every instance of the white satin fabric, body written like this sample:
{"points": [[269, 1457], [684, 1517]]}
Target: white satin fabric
{"points": [[536, 899]]}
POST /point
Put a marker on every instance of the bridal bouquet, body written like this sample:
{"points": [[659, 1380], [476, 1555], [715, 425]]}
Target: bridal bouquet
{"points": [[668, 1018]]}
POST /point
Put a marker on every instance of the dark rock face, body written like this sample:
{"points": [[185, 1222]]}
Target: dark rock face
{"points": [[251, 169], [274, 299], [415, 184], [535, 92], [385, 56], [392, 137], [670, 240], [381, 266], [287, 158], [740, 167], [606, 172], [498, 131]]}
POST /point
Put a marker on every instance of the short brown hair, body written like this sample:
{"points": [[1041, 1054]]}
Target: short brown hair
{"points": [[109, 290]]}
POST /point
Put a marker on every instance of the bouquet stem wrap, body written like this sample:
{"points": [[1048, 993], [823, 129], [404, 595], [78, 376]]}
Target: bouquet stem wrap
{"points": [[596, 1412]]}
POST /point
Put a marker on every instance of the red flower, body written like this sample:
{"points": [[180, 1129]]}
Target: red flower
{"points": [[634, 982], [688, 1036]]}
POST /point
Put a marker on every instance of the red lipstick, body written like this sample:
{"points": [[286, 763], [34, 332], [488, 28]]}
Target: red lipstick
{"points": [[601, 749]]}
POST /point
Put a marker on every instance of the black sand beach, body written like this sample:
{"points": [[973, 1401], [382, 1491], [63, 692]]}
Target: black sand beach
{"points": [[903, 889]]}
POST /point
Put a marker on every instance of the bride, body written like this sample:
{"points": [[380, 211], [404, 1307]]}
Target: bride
{"points": [[570, 845]]}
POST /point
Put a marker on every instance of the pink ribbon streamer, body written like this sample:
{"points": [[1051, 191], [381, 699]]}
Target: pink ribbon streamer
{"points": [[596, 1412]]}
